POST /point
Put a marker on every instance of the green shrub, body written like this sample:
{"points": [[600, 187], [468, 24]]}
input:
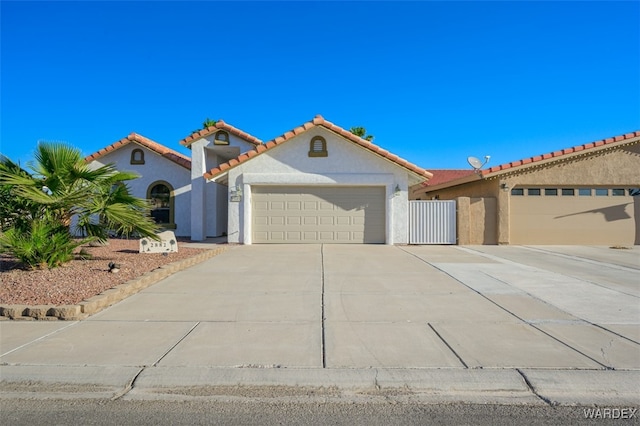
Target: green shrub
{"points": [[45, 244], [37, 207]]}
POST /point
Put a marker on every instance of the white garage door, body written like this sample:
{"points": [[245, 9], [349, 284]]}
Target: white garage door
{"points": [[318, 214]]}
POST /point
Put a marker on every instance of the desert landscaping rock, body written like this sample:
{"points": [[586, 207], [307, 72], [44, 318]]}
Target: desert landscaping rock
{"points": [[117, 249]]}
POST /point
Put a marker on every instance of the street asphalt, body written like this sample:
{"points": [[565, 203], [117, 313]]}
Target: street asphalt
{"points": [[479, 324]]}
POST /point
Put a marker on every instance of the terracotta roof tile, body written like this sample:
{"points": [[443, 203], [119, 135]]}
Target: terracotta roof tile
{"points": [[318, 120], [220, 125], [447, 175], [168, 153], [562, 152]]}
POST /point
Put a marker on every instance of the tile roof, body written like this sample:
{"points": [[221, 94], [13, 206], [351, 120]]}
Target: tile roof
{"points": [[317, 121], [561, 153], [447, 178], [447, 175], [170, 154], [220, 125]]}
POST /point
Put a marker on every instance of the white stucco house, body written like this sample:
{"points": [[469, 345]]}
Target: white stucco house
{"points": [[165, 178], [315, 183]]}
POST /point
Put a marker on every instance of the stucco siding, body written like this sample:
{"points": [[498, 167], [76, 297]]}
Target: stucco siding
{"points": [[155, 168], [482, 188], [616, 167], [211, 210], [208, 203], [483, 218], [233, 141]]}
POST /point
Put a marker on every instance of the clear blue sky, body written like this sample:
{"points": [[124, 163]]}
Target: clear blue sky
{"points": [[434, 82]]}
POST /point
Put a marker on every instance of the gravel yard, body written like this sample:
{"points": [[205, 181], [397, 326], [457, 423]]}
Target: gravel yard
{"points": [[80, 279]]}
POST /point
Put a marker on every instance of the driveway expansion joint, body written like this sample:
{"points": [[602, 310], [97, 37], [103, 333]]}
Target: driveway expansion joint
{"points": [[606, 367], [448, 345]]}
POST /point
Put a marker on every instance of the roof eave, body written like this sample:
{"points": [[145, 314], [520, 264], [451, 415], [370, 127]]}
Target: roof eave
{"points": [[561, 155], [144, 142], [179, 160], [460, 181], [418, 173]]}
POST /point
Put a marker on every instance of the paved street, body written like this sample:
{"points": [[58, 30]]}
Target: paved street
{"points": [[327, 412], [479, 323]]}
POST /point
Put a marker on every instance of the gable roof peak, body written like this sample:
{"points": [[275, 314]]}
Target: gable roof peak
{"points": [[137, 137], [154, 146], [318, 120], [220, 125]]}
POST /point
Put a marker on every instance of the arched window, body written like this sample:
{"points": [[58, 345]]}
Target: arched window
{"points": [[160, 195], [318, 147], [221, 138], [137, 156]]}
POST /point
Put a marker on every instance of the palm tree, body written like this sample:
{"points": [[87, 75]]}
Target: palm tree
{"points": [[208, 123], [15, 211], [361, 132], [63, 185]]}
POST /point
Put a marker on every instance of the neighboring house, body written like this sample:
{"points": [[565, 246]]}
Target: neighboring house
{"points": [[165, 178], [581, 195]]}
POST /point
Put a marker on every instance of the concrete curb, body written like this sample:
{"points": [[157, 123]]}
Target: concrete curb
{"points": [[508, 386], [107, 298]]}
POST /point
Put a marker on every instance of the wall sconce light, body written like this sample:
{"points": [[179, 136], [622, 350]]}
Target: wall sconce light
{"points": [[396, 190], [504, 186], [239, 191]]}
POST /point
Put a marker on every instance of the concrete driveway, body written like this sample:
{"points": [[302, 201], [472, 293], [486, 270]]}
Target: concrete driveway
{"points": [[358, 307]]}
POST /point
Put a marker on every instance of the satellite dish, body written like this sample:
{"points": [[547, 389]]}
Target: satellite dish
{"points": [[477, 164], [474, 162]]}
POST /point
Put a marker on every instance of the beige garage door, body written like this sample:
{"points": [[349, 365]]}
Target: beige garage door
{"points": [[598, 216], [348, 215]]}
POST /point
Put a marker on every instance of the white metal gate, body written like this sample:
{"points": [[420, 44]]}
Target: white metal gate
{"points": [[432, 222]]}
